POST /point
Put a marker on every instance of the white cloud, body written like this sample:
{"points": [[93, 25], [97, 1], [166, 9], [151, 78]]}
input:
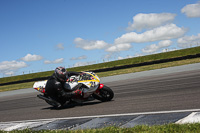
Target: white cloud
{"points": [[30, 57], [166, 32], [79, 58], [119, 47], [154, 48], [164, 43], [90, 45], [191, 10], [84, 63], [9, 67], [60, 46], [188, 41], [47, 62], [149, 21], [57, 61], [9, 73], [128, 56], [80, 64], [120, 58], [12, 65], [150, 48], [138, 55]]}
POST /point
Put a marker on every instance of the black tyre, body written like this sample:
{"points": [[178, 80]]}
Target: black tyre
{"points": [[106, 94]]}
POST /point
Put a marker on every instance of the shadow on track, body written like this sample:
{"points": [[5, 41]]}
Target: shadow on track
{"points": [[72, 105]]}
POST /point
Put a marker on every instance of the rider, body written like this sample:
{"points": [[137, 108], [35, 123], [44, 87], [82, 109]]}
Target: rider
{"points": [[55, 87]]}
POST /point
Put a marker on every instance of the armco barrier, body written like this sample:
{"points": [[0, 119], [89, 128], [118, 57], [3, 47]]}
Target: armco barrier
{"points": [[148, 63], [116, 68]]}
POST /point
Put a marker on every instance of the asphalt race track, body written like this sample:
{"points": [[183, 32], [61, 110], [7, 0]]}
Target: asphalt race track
{"points": [[165, 92]]}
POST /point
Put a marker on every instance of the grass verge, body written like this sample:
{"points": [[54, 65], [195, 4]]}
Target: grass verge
{"points": [[149, 67], [167, 128], [16, 86], [111, 73], [136, 60]]}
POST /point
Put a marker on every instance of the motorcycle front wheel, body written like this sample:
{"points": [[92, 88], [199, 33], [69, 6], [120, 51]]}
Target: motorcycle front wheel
{"points": [[105, 94]]}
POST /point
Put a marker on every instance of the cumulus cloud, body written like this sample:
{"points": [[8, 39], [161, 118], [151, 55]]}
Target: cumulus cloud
{"points": [[150, 48], [9, 67], [79, 58], [60, 46], [149, 21], [9, 73], [138, 55], [164, 43], [57, 61], [191, 10], [188, 41], [30, 57], [90, 45], [120, 58], [119, 47], [154, 48], [169, 31], [84, 63]]}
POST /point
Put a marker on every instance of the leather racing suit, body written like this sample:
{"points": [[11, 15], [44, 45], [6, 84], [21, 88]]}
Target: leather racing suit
{"points": [[56, 90]]}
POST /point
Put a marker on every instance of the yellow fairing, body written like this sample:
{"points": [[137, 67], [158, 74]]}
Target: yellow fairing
{"points": [[89, 81]]}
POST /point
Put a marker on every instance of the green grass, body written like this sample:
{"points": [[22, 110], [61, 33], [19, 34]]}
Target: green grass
{"points": [[172, 54], [167, 128], [149, 67], [16, 86], [111, 73], [167, 55], [25, 76]]}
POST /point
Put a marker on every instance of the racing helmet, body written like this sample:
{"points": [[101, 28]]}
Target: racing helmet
{"points": [[61, 74]]}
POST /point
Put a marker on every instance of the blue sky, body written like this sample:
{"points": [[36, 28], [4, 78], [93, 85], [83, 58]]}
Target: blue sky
{"points": [[39, 35]]}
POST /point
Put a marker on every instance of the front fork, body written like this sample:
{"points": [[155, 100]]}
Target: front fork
{"points": [[100, 87]]}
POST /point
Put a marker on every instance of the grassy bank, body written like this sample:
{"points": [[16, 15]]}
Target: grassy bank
{"points": [[169, 128], [149, 67], [111, 73], [16, 86], [148, 58]]}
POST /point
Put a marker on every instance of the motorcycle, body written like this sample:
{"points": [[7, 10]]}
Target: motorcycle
{"points": [[90, 86]]}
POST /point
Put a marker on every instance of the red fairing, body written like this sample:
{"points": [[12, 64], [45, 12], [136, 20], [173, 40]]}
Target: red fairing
{"points": [[43, 91], [101, 86], [40, 89]]}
